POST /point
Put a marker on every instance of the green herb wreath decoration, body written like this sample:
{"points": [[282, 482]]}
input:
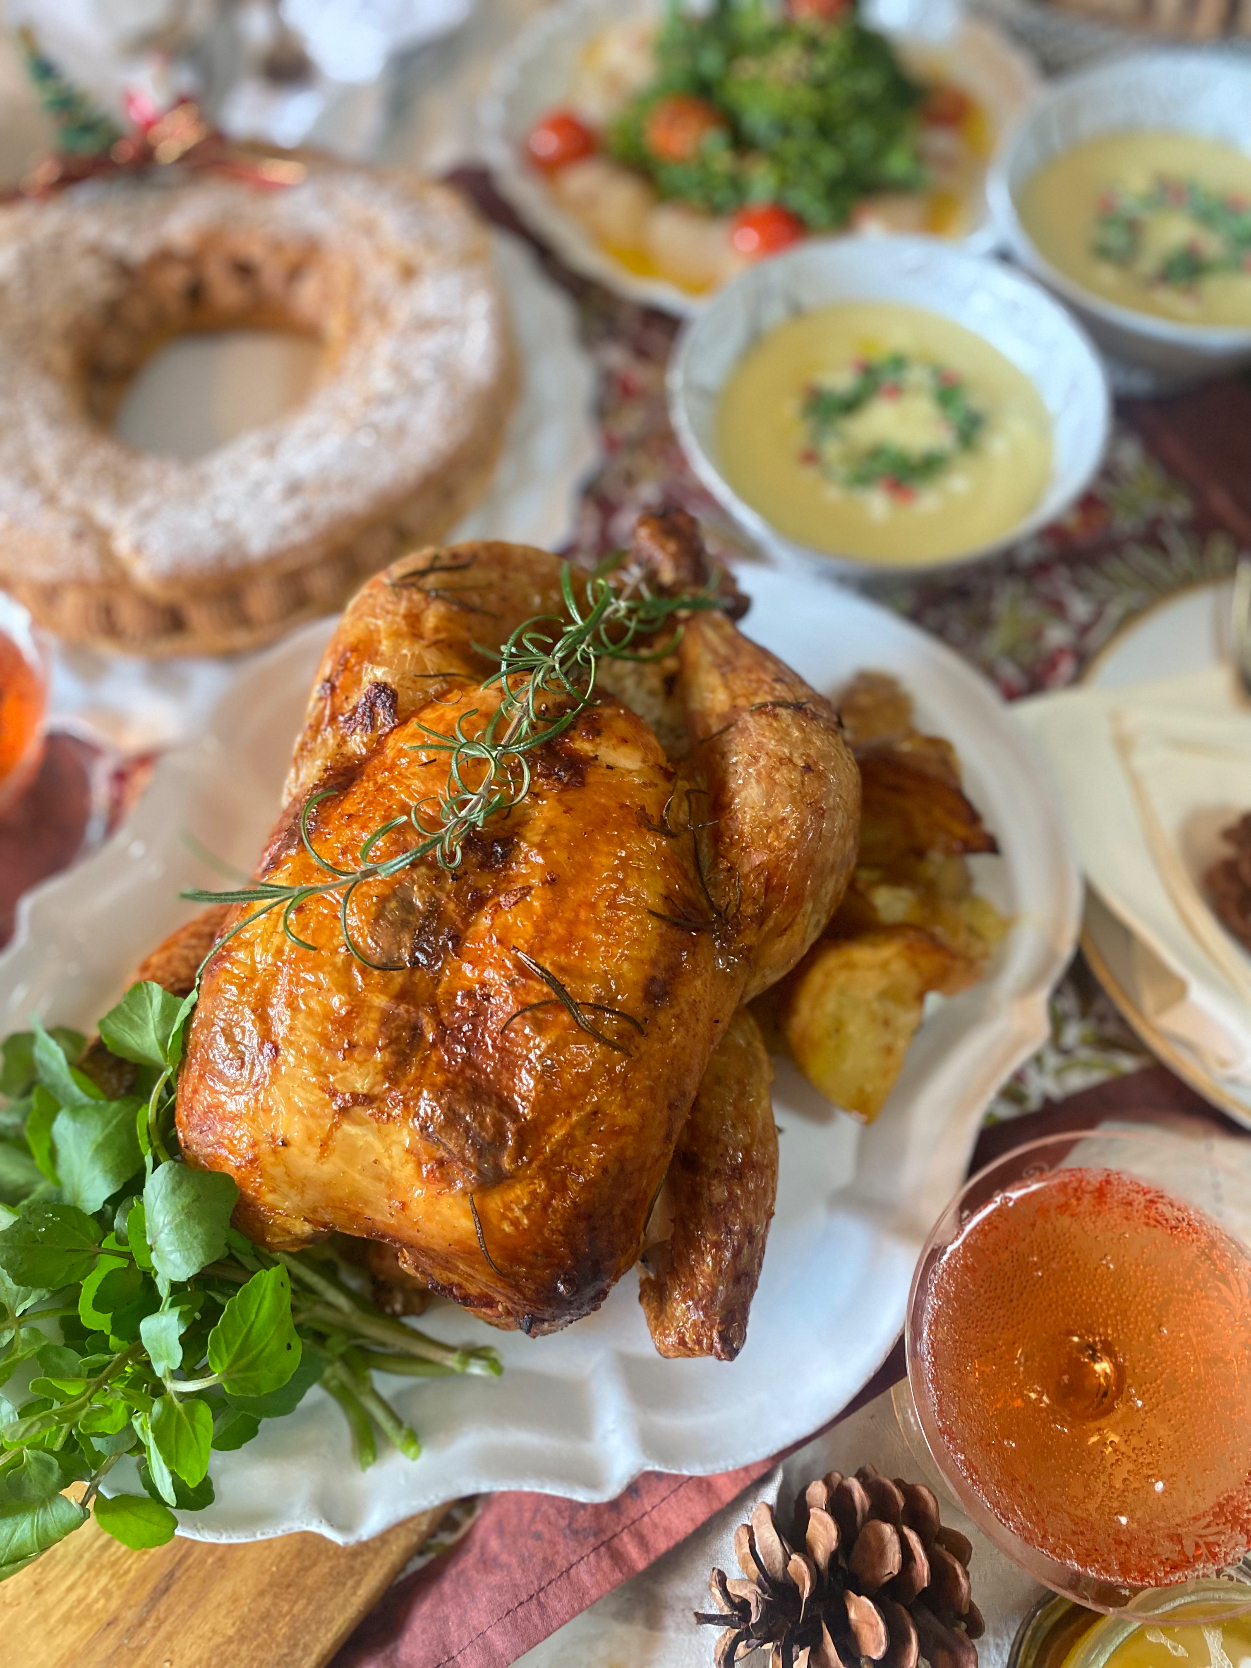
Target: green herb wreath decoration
{"points": [[899, 469], [1121, 224]]}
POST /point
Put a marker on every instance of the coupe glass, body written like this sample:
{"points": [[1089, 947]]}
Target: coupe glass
{"points": [[1079, 1368]]}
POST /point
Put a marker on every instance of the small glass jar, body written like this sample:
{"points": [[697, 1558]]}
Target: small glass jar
{"points": [[1050, 1632], [1060, 1634]]}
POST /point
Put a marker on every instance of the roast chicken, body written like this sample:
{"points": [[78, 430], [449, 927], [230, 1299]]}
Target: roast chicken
{"points": [[495, 1081]]}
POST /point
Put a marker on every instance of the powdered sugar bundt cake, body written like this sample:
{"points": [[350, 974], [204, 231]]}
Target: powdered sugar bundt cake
{"points": [[398, 436]]}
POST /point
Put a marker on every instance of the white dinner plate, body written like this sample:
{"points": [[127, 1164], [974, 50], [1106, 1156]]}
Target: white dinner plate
{"points": [[537, 73], [583, 1412], [1185, 633]]}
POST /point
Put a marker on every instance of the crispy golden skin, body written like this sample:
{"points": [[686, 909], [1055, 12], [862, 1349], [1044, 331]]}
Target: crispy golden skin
{"points": [[442, 1101], [783, 795], [721, 1190]]}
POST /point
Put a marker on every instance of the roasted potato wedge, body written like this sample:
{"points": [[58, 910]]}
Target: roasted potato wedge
{"points": [[909, 923], [934, 894], [874, 707], [911, 807], [849, 1010]]}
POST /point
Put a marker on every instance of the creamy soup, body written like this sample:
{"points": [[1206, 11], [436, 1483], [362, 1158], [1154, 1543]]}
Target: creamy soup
{"points": [[1160, 222], [886, 432]]}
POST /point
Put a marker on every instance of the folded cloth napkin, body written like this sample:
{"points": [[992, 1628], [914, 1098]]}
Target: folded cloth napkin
{"points": [[530, 1562], [1150, 776]]}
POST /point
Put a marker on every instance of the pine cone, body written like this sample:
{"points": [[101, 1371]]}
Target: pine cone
{"points": [[878, 1579]]}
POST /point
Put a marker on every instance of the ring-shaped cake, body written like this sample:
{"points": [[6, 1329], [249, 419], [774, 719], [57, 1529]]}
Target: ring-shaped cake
{"points": [[390, 275]]}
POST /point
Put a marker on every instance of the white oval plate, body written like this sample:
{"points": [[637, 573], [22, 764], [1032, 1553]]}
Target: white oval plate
{"points": [[583, 1412], [537, 73]]}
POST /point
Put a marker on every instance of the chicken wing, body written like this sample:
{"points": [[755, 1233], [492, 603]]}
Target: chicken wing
{"points": [[783, 795]]}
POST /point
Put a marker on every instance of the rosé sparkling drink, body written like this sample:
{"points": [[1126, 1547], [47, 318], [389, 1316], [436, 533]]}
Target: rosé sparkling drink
{"points": [[1082, 1348]]}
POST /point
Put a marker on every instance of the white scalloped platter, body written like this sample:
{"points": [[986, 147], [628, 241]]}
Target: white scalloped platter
{"points": [[583, 1412], [538, 73]]}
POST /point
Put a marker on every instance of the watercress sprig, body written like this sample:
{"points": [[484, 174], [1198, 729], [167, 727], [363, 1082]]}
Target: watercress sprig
{"points": [[134, 1319]]}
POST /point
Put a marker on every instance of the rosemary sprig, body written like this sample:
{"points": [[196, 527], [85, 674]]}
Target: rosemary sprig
{"points": [[561, 998], [482, 1245], [413, 582], [546, 678]]}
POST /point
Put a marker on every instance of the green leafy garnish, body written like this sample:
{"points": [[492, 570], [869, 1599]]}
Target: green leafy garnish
{"points": [[1214, 228], [849, 462], [140, 1324], [136, 1521], [17, 1058], [253, 1348], [186, 1216], [146, 1026], [34, 1514], [50, 1245], [97, 1149], [182, 1430], [814, 113]]}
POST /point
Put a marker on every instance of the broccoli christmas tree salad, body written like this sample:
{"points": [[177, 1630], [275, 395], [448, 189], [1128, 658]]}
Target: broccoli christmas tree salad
{"points": [[692, 146]]}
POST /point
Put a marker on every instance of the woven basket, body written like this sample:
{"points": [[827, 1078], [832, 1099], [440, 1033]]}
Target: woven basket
{"points": [[1196, 20]]}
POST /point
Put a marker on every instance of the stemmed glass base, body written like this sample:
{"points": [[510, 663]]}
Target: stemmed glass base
{"points": [[925, 1467]]}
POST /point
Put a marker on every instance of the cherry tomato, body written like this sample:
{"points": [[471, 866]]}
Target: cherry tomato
{"points": [[946, 107], [819, 11], [558, 139], [764, 229], [677, 126]]}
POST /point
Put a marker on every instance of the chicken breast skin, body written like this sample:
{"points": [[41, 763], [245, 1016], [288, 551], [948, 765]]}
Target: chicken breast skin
{"points": [[510, 1154], [495, 1082], [438, 615], [698, 1285]]}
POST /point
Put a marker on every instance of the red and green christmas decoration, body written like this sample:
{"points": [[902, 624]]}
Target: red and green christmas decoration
{"points": [[898, 469], [1221, 242]]}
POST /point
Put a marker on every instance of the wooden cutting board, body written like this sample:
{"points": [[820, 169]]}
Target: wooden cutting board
{"points": [[285, 1603]]}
